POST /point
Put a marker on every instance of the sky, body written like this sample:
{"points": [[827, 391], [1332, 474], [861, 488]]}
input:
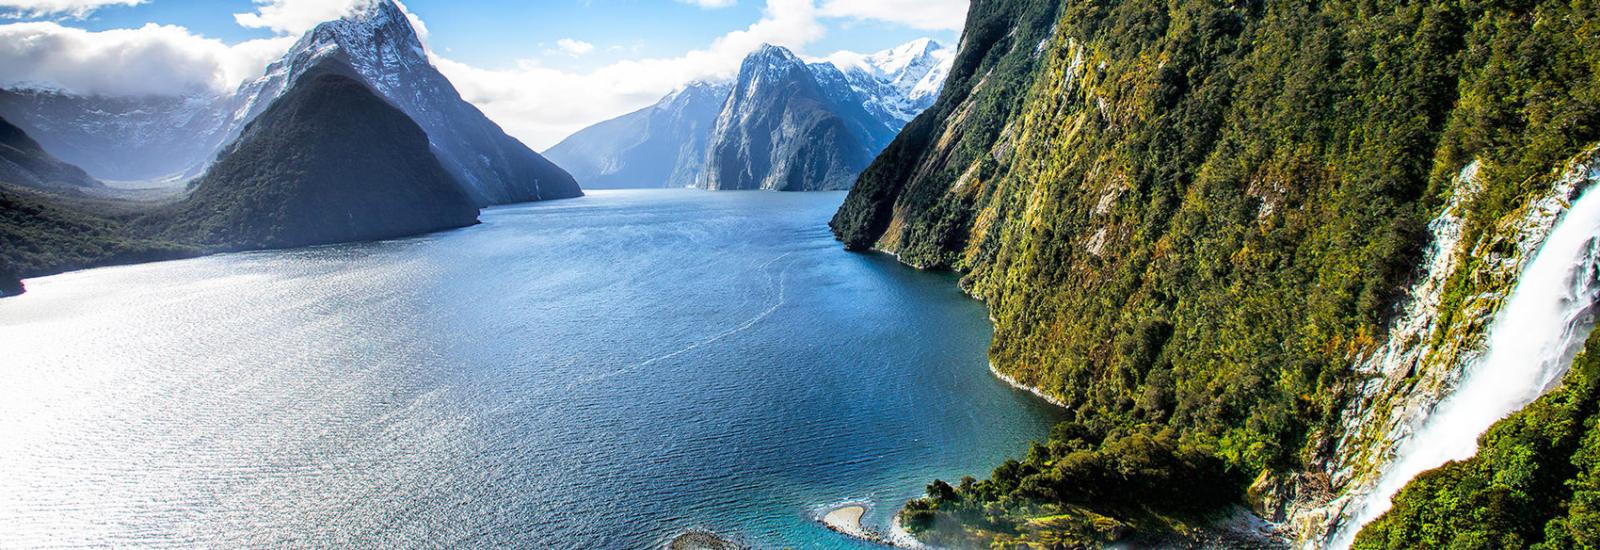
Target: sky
{"points": [[541, 69]]}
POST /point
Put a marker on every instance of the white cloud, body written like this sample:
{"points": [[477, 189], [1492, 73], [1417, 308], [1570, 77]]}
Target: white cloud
{"points": [[150, 60], [574, 47], [542, 105], [710, 4], [933, 15], [538, 104], [73, 8], [295, 17]]}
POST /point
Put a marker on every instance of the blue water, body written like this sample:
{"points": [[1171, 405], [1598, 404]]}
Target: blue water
{"points": [[605, 372]]}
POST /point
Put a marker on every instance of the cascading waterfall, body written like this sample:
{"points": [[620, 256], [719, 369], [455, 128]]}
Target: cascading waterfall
{"points": [[1531, 345]]}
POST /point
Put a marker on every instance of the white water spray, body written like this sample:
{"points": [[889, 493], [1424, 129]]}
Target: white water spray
{"points": [[1532, 342]]}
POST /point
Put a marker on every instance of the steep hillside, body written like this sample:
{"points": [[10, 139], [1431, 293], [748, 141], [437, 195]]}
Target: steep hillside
{"points": [[24, 162], [48, 223], [666, 144], [328, 162], [782, 130], [1193, 220], [663, 145], [384, 51]]}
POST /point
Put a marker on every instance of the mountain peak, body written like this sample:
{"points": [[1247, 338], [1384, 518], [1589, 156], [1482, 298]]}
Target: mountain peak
{"points": [[368, 24], [773, 53]]}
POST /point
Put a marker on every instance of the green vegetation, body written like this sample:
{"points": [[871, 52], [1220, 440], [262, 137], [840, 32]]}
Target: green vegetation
{"points": [[46, 233], [1535, 482], [1189, 217], [306, 171]]}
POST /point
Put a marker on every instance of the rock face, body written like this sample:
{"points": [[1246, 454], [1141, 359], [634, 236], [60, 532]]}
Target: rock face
{"points": [[666, 145], [24, 162], [663, 145], [899, 83], [782, 130], [329, 161], [378, 42]]}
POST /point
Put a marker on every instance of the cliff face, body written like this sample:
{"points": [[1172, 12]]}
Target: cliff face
{"points": [[1196, 225], [781, 130]]}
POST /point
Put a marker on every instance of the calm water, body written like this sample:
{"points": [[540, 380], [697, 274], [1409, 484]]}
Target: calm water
{"points": [[599, 373]]}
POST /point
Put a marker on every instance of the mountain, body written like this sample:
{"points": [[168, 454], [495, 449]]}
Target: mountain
{"points": [[329, 161], [24, 162], [663, 145], [172, 139], [782, 130], [1251, 247], [379, 43], [132, 139], [52, 221], [899, 83]]}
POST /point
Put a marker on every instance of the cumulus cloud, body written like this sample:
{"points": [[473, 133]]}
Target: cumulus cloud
{"points": [[541, 105], [933, 15], [150, 60], [574, 47], [73, 8], [535, 103], [295, 17]]}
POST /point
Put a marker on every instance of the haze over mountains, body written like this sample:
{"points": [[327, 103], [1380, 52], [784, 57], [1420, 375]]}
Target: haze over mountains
{"points": [[782, 124], [172, 139]]}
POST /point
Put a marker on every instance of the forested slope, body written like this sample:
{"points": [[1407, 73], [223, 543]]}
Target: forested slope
{"points": [[1190, 219]]}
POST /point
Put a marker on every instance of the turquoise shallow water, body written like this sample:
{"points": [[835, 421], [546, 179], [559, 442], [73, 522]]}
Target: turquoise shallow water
{"points": [[603, 372]]}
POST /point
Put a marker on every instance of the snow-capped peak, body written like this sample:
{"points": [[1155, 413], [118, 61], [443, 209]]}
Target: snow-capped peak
{"points": [[899, 82]]}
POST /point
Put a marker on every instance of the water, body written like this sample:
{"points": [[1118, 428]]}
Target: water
{"points": [[1532, 342], [604, 372]]}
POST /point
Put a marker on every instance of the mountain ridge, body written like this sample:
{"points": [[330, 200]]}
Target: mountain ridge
{"points": [[670, 144]]}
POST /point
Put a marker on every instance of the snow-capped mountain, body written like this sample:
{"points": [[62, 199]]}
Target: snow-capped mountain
{"points": [[663, 145], [124, 139], [176, 139], [899, 83], [379, 43], [785, 129], [672, 143]]}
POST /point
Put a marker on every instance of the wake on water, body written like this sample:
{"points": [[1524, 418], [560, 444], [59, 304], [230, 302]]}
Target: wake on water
{"points": [[773, 280], [1531, 345]]}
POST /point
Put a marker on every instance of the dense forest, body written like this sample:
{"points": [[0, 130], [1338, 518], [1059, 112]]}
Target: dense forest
{"points": [[1189, 218]]}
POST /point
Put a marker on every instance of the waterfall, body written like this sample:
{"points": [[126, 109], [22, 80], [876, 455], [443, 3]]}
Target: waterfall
{"points": [[1531, 344]]}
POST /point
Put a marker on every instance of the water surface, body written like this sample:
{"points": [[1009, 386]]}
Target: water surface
{"points": [[604, 372]]}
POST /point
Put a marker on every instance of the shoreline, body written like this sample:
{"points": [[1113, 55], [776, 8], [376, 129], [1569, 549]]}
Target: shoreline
{"points": [[846, 520], [1024, 387]]}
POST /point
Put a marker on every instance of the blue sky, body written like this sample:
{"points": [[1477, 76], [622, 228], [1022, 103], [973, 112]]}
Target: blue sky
{"points": [[500, 33], [541, 69]]}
